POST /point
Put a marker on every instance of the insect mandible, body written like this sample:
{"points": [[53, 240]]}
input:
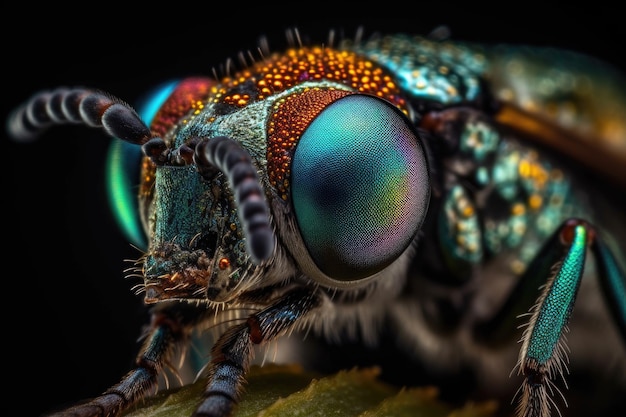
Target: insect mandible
{"points": [[389, 180]]}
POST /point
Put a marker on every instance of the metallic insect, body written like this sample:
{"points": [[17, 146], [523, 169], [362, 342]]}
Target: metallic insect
{"points": [[436, 188]]}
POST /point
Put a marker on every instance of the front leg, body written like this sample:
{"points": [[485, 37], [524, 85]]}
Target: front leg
{"points": [[231, 354], [166, 331]]}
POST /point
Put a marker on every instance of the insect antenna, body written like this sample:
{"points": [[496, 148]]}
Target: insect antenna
{"points": [[78, 106], [235, 162], [230, 158], [118, 119]]}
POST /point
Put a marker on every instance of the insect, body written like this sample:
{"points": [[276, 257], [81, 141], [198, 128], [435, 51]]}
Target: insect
{"points": [[401, 180]]}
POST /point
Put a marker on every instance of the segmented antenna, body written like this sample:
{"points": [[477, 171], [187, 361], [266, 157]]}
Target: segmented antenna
{"points": [[236, 164], [98, 109], [79, 106]]}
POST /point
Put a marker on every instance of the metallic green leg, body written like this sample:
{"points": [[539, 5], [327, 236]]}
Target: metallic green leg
{"points": [[557, 270], [543, 354], [503, 327]]}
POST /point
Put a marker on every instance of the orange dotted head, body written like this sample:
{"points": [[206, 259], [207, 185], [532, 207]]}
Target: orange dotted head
{"points": [[283, 71]]}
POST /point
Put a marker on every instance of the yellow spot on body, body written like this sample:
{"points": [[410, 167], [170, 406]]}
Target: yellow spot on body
{"points": [[517, 209], [524, 169], [535, 201], [468, 211]]}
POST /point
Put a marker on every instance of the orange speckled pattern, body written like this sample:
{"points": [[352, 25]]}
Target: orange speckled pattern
{"points": [[190, 93], [289, 119], [283, 71]]}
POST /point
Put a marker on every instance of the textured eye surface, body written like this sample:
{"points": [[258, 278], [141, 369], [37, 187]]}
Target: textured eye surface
{"points": [[360, 186]]}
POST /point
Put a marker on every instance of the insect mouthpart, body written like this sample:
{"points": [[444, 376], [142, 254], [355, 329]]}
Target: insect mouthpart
{"points": [[172, 272]]}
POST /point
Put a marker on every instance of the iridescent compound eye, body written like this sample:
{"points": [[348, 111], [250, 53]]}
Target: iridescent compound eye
{"points": [[360, 186]]}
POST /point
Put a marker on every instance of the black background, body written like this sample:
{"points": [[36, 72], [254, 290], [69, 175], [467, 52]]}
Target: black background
{"points": [[70, 320]]}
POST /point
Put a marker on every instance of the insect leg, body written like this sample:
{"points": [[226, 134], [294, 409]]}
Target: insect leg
{"points": [[562, 261], [165, 332], [501, 328], [232, 352], [542, 353]]}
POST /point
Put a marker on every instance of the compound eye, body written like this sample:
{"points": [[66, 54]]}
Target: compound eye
{"points": [[360, 186]]}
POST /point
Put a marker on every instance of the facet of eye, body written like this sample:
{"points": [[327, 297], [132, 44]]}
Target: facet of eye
{"points": [[359, 186], [124, 166]]}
